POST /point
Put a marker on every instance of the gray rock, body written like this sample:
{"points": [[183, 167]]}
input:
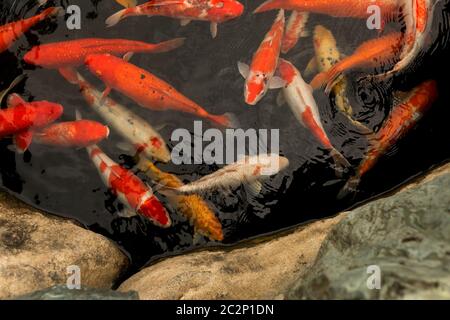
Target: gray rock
{"points": [[261, 270], [63, 293], [36, 249], [406, 235]]}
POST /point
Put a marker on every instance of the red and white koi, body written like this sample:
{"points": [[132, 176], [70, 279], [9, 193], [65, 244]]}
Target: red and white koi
{"points": [[21, 117], [137, 197], [136, 131], [295, 29], [146, 89], [249, 171], [400, 121], [73, 53], [299, 96], [214, 11], [260, 74], [10, 32], [72, 134]]}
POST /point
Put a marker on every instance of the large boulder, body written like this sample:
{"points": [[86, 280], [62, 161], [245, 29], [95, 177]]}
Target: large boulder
{"points": [[36, 249], [256, 271], [404, 239]]}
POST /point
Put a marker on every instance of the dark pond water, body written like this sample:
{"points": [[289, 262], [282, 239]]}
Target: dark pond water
{"points": [[65, 182]]}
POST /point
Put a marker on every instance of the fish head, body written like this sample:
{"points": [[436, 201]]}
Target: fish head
{"points": [[47, 112], [287, 71], [91, 132], [153, 209], [224, 10], [156, 148], [256, 87]]}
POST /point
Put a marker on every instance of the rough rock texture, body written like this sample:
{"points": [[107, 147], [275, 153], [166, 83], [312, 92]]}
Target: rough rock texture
{"points": [[259, 271], [407, 235], [36, 249], [62, 293]]}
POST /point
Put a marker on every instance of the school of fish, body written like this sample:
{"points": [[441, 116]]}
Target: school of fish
{"points": [[109, 60]]}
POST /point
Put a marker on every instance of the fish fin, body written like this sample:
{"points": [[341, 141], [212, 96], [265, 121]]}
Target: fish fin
{"points": [[305, 33], [14, 83], [244, 69], [185, 22], [42, 2], [228, 120], [340, 162], [105, 94], [276, 83], [127, 56], [311, 68], [281, 99], [169, 45], [349, 188], [78, 116], [14, 100], [126, 147], [213, 29], [254, 188], [70, 74], [127, 213], [268, 5], [22, 141], [115, 18]]}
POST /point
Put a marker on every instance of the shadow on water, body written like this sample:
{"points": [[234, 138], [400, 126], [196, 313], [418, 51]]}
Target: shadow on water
{"points": [[65, 183]]}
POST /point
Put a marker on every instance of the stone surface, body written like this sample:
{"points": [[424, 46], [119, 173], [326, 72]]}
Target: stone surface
{"points": [[63, 293], [406, 235], [258, 271], [36, 249]]}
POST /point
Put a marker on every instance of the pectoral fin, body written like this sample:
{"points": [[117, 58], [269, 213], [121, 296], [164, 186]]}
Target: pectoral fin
{"points": [[254, 188], [23, 140], [185, 22], [276, 83], [213, 29], [14, 100], [311, 68], [127, 213], [244, 69], [281, 99]]}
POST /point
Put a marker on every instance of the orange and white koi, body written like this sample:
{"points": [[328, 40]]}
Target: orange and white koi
{"points": [[295, 29], [144, 139], [326, 56], [21, 117], [249, 171], [73, 53], [137, 197], [146, 89], [10, 32], [375, 53], [260, 74], [193, 207], [299, 96], [417, 30], [401, 120], [214, 11], [341, 8], [72, 134]]}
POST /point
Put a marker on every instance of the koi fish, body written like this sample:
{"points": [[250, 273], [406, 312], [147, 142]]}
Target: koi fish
{"points": [[215, 11], [328, 55], [341, 8], [193, 207], [401, 120], [260, 74], [295, 30], [417, 30], [249, 171], [146, 89], [373, 53], [299, 96], [73, 53], [127, 3], [78, 134], [137, 197], [21, 117], [10, 32], [136, 131]]}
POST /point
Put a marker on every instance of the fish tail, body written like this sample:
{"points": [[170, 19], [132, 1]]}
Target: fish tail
{"points": [[168, 45], [228, 120], [269, 5], [326, 79], [341, 163], [117, 17], [349, 188]]}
